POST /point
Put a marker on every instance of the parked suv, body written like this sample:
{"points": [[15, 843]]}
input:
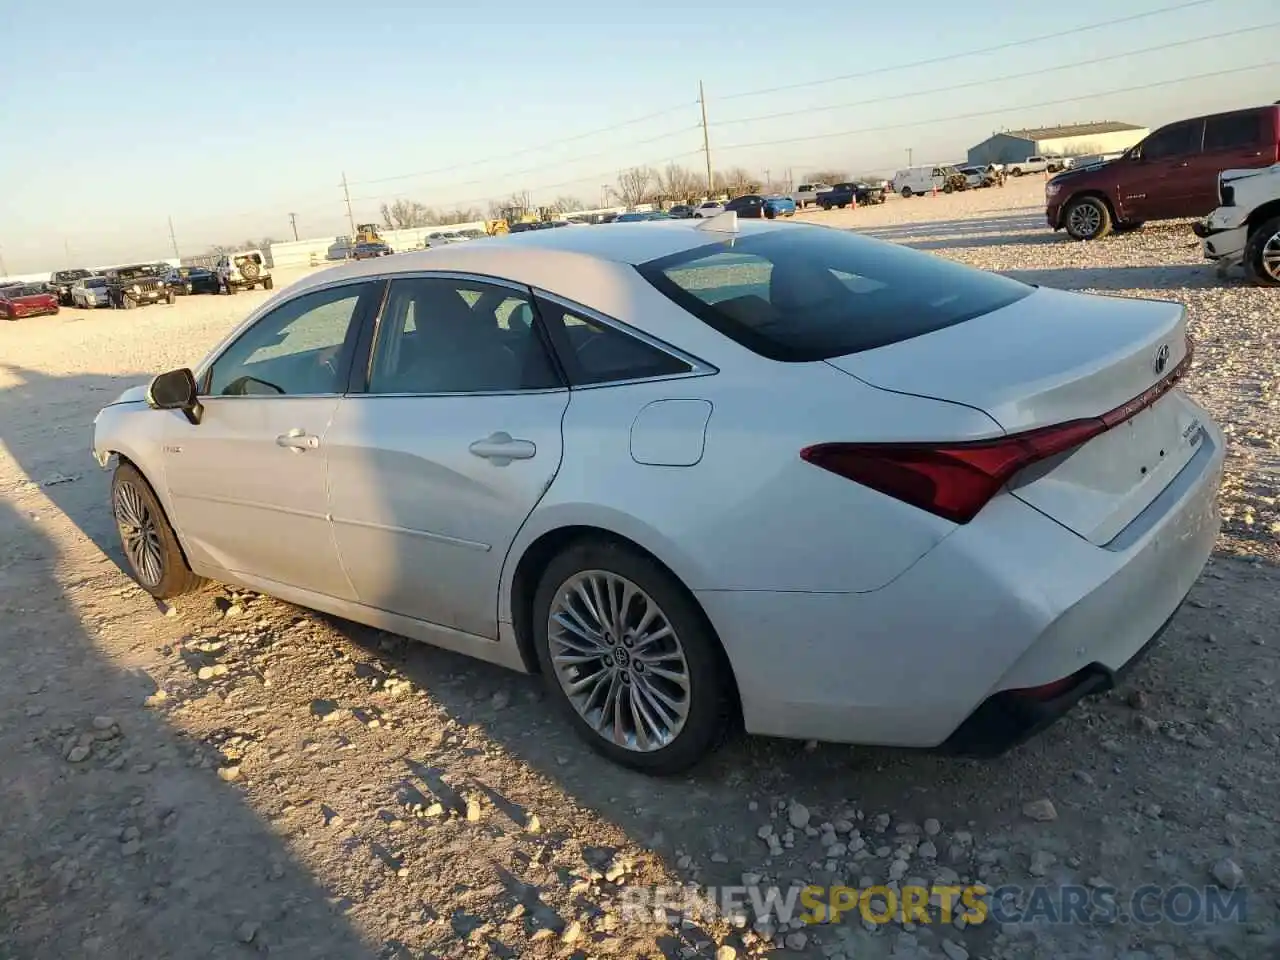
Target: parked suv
{"points": [[1173, 173], [243, 271], [61, 282], [1245, 229]]}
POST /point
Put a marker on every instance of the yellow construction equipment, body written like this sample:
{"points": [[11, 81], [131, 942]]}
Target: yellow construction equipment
{"points": [[367, 233], [496, 228]]}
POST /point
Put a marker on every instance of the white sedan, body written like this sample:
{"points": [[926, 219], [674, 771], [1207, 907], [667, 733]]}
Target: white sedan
{"points": [[707, 209], [698, 474]]}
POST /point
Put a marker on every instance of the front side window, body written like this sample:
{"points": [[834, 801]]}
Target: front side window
{"points": [[1175, 140], [301, 348], [812, 293], [441, 335]]}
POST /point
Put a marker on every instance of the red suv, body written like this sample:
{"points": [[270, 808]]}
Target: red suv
{"points": [[1173, 173]]}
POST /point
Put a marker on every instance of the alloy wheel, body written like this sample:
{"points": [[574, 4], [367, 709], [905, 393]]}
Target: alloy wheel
{"points": [[619, 661], [1271, 257], [1085, 220], [138, 533]]}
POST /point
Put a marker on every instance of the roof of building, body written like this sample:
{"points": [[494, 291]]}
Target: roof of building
{"points": [[1072, 130]]}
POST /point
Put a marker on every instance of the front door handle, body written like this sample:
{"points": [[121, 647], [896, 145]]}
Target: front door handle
{"points": [[500, 448], [297, 440]]}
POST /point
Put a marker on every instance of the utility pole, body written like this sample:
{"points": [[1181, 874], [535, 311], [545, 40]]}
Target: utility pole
{"points": [[4, 271], [768, 180], [174, 240], [346, 193], [66, 246], [908, 156], [706, 137], [293, 222]]}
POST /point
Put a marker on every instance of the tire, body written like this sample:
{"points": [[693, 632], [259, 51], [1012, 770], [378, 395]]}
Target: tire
{"points": [[948, 188], [770, 214], [905, 193], [171, 299], [1016, 171], [268, 283], [1087, 218], [150, 546], [1262, 254], [127, 302], [691, 649], [249, 270]]}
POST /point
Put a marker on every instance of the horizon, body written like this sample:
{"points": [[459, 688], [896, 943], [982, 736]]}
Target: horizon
{"points": [[242, 138]]}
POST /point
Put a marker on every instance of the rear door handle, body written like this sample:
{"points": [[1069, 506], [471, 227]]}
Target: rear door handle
{"points": [[500, 448], [298, 440]]}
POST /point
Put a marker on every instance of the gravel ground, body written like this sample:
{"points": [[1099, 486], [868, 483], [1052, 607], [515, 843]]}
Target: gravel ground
{"points": [[235, 775]]}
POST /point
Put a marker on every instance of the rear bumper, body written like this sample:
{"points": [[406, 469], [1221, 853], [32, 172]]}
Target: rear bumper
{"points": [[1010, 601]]}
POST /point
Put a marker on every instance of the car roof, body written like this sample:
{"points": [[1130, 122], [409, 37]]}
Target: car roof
{"points": [[566, 262]]}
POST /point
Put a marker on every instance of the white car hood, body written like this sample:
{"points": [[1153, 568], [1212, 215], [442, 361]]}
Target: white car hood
{"points": [[1229, 176], [132, 395]]}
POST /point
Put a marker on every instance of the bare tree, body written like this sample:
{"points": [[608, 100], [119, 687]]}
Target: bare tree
{"points": [[404, 214], [679, 184], [736, 181], [512, 207], [827, 176], [458, 215], [567, 204], [633, 185]]}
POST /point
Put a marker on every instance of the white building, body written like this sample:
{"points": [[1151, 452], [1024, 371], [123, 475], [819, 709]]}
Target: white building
{"points": [[1072, 140]]}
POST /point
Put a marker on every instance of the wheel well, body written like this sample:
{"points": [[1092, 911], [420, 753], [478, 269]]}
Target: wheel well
{"points": [[524, 585], [1264, 213]]}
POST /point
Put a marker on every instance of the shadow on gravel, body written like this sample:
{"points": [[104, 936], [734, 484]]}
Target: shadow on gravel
{"points": [[1171, 278], [120, 840], [1015, 223]]}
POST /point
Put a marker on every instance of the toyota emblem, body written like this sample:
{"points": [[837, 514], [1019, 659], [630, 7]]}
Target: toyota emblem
{"points": [[1162, 358]]}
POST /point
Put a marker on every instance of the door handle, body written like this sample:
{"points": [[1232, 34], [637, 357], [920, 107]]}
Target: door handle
{"points": [[500, 448], [297, 440]]}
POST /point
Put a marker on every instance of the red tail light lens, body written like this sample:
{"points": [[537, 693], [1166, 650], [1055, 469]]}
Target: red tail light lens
{"points": [[956, 480]]}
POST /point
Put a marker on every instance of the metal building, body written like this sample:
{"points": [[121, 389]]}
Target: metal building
{"points": [[1071, 140]]}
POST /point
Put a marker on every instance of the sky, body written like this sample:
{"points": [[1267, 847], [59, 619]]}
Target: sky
{"points": [[121, 116]]}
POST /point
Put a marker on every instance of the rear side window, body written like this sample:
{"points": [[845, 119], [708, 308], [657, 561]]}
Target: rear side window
{"points": [[806, 294], [1233, 131], [593, 352]]}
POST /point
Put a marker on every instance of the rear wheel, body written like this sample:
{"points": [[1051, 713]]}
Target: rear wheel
{"points": [[150, 545], [1088, 218], [1262, 254], [1016, 171], [630, 658], [947, 188], [268, 283]]}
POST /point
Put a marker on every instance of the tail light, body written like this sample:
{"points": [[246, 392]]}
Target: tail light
{"points": [[956, 480]]}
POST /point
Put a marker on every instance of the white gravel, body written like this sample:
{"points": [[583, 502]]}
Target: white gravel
{"points": [[179, 782]]}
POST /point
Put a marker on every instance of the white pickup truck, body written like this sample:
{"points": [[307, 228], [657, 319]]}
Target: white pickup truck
{"points": [[1245, 229], [807, 193], [1039, 165]]}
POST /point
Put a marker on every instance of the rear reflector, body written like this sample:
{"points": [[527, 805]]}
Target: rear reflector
{"points": [[956, 480]]}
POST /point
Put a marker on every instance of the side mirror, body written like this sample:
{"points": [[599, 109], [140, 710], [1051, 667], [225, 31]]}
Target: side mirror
{"points": [[176, 390]]}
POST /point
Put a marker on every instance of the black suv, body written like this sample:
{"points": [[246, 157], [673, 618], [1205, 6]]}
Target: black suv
{"points": [[843, 194], [136, 286]]}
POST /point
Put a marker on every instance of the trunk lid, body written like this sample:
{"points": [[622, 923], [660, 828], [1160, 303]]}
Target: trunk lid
{"points": [[1051, 358]]}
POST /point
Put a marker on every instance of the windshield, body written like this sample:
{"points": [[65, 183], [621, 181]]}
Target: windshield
{"points": [[133, 273], [806, 294], [66, 276], [24, 290], [96, 282]]}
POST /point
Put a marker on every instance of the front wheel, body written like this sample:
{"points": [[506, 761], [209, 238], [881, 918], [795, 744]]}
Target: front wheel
{"points": [[1088, 219], [1016, 171], [268, 283], [150, 545], [629, 657], [127, 302], [906, 193], [1262, 254], [947, 188]]}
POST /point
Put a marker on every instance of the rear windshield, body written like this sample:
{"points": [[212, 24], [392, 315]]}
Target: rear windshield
{"points": [[812, 293], [96, 282]]}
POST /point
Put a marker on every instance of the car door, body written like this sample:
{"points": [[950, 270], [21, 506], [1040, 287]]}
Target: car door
{"points": [[1232, 141], [247, 484], [435, 467], [1161, 183]]}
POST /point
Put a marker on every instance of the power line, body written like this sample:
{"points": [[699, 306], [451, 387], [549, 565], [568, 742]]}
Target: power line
{"points": [[999, 110], [790, 114], [548, 166], [946, 58], [559, 141]]}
